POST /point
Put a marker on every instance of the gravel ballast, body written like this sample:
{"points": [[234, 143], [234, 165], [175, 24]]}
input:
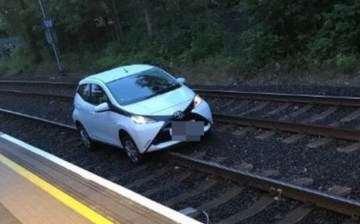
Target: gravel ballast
{"points": [[325, 165]]}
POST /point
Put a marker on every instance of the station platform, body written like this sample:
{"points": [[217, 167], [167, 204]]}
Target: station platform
{"points": [[37, 187]]}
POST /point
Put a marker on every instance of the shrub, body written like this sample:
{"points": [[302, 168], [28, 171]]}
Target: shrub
{"points": [[3, 68], [346, 63], [106, 62], [20, 62]]}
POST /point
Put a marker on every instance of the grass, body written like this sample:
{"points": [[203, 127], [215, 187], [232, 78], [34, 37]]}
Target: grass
{"points": [[215, 70]]}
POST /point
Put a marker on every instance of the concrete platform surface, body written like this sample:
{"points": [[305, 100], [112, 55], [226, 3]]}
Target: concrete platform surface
{"points": [[37, 187]]}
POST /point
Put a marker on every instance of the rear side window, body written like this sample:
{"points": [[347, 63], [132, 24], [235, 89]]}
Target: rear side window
{"points": [[84, 92]]}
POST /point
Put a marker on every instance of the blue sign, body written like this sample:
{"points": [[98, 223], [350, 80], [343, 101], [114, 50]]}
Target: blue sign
{"points": [[48, 22]]}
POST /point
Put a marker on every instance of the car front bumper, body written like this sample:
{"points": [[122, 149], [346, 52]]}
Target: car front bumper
{"points": [[169, 143], [157, 136]]}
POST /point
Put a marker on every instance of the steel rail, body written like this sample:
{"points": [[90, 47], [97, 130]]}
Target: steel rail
{"points": [[326, 131], [244, 95], [321, 199], [23, 82], [34, 118], [311, 129], [35, 94], [283, 97]]}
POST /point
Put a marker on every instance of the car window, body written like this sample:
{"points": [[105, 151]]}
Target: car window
{"points": [[84, 92], [98, 95], [141, 86]]}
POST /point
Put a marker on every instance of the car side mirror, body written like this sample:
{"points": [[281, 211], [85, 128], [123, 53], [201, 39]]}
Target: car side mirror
{"points": [[102, 107], [181, 80]]}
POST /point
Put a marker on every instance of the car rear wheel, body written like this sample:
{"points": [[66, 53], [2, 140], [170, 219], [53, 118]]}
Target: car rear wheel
{"points": [[85, 138], [131, 149]]}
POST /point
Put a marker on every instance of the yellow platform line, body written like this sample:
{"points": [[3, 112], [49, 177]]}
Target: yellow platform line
{"points": [[66, 199]]}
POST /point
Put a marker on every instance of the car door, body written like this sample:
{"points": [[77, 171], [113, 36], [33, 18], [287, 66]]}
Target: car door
{"points": [[103, 122], [84, 108]]}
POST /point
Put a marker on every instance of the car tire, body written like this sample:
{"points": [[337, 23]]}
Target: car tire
{"points": [[85, 138], [131, 149]]}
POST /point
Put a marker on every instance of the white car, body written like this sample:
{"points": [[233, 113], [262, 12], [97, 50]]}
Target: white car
{"points": [[140, 108]]}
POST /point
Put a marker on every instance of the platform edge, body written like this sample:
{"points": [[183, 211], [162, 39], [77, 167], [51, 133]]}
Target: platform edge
{"points": [[147, 203]]}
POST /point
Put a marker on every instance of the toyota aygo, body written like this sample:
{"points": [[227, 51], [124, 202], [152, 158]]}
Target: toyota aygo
{"points": [[140, 108]]}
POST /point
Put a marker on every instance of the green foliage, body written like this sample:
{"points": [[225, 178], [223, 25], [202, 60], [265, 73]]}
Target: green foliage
{"points": [[257, 48], [239, 36], [3, 68], [20, 62], [320, 48], [206, 40], [106, 62], [339, 33], [346, 63]]}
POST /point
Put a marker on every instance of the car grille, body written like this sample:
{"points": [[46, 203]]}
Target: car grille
{"points": [[163, 136], [195, 117]]}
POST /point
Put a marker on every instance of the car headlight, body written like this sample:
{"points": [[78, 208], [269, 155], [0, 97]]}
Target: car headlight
{"points": [[138, 119], [197, 100]]}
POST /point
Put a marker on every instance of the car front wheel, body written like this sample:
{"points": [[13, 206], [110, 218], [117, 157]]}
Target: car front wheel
{"points": [[131, 149], [85, 138]]}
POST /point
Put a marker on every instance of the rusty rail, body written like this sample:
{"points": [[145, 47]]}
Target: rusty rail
{"points": [[306, 195], [326, 131], [279, 188], [244, 95], [283, 97], [311, 129]]}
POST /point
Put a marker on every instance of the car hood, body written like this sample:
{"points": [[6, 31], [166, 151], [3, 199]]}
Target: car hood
{"points": [[164, 104]]}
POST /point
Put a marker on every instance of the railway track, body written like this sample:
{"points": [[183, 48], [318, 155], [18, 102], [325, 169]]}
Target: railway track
{"points": [[249, 142], [295, 127], [307, 128], [224, 194], [45, 86], [333, 111]]}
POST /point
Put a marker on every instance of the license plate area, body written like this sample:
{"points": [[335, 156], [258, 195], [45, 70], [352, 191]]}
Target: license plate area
{"points": [[187, 131]]}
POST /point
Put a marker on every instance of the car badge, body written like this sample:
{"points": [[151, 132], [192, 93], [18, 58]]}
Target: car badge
{"points": [[179, 115]]}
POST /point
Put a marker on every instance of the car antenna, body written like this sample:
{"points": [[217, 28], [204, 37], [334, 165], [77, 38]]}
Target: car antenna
{"points": [[125, 70]]}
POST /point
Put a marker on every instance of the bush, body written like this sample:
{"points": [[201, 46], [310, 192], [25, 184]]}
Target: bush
{"points": [[3, 68], [346, 63], [106, 62], [20, 62]]}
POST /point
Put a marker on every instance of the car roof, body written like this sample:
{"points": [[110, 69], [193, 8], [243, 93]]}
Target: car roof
{"points": [[117, 73]]}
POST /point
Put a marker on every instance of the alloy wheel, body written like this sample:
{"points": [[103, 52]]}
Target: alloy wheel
{"points": [[85, 138], [131, 150]]}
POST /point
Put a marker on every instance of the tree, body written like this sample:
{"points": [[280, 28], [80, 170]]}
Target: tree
{"points": [[19, 19]]}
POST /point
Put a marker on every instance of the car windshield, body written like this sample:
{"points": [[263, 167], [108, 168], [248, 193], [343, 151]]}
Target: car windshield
{"points": [[141, 86]]}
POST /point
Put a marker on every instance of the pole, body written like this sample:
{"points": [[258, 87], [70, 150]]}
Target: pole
{"points": [[53, 44]]}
